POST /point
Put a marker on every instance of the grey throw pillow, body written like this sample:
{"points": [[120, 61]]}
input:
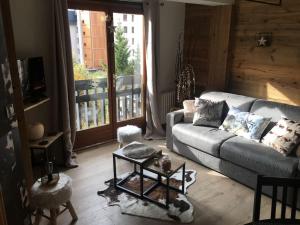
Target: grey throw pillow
{"points": [[208, 113]]}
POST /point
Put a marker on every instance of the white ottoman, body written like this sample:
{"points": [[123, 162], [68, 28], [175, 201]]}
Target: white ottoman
{"points": [[128, 134], [51, 197]]}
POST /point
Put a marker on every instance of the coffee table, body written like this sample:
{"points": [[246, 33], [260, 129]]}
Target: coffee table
{"points": [[147, 169]]}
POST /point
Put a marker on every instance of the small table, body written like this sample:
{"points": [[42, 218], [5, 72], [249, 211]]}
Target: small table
{"points": [[147, 164]]}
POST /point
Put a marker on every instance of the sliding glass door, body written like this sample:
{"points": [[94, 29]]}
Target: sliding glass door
{"points": [[108, 61], [129, 66]]}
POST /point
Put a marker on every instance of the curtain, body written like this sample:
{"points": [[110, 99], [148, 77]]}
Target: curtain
{"points": [[154, 129], [62, 85]]}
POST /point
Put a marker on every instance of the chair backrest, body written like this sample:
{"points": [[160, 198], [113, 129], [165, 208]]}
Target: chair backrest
{"points": [[275, 183]]}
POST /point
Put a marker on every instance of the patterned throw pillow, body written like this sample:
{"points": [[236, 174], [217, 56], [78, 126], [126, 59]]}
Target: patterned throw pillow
{"points": [[256, 125], [245, 124], [235, 122], [208, 113], [189, 110], [284, 137]]}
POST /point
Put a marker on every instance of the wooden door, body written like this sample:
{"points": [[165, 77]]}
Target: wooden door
{"points": [[109, 82]]}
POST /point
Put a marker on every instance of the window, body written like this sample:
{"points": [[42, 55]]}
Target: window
{"points": [[125, 30], [132, 18], [132, 41], [124, 17], [132, 30]]}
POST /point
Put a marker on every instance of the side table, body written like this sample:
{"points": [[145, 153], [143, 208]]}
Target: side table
{"points": [[51, 197]]}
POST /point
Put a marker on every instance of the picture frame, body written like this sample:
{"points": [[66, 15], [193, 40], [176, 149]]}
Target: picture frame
{"points": [[268, 2]]}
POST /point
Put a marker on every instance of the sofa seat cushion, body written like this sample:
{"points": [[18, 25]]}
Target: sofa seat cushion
{"points": [[206, 139], [258, 157]]}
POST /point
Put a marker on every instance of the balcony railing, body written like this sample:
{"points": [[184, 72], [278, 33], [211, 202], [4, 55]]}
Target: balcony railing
{"points": [[92, 104]]}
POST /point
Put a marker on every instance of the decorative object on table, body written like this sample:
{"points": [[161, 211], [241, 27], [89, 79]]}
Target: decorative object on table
{"points": [[263, 39], [189, 110], [284, 136], [49, 170], [166, 163], [185, 84], [137, 150], [53, 181], [268, 2], [50, 175], [180, 210], [208, 113], [128, 134], [156, 161], [52, 197], [35, 131]]}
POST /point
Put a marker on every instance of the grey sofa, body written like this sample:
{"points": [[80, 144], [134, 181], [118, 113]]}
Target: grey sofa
{"points": [[231, 155]]}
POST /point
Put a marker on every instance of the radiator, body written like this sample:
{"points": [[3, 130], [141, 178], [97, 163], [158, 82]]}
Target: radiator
{"points": [[167, 102]]}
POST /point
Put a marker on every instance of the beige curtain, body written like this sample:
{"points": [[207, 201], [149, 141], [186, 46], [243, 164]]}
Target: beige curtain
{"points": [[62, 87], [151, 15]]}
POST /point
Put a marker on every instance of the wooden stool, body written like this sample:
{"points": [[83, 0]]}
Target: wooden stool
{"points": [[52, 197]]}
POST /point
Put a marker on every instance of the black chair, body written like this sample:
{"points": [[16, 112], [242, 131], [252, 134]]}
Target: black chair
{"points": [[276, 183]]}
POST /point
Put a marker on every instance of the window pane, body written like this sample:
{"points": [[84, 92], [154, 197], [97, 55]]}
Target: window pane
{"points": [[128, 67], [89, 51]]}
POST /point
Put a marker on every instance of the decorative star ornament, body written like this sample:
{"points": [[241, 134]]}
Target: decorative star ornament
{"points": [[262, 42]]}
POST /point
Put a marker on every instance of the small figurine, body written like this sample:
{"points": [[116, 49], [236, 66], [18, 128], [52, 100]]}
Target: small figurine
{"points": [[166, 163]]}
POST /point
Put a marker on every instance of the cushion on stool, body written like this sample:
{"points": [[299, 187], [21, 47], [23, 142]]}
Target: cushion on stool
{"points": [[129, 134], [52, 196]]}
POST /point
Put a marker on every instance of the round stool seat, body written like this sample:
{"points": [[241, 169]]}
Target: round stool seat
{"points": [[128, 134], [52, 196]]}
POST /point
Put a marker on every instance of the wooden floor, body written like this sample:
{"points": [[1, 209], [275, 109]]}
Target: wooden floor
{"points": [[216, 198]]}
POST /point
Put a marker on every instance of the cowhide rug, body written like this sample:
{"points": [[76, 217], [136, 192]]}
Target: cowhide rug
{"points": [[180, 209]]}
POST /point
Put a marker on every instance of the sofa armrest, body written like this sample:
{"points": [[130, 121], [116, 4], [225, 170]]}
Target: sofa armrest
{"points": [[172, 119]]}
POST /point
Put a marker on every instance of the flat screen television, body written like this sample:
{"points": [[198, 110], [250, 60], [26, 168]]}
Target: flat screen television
{"points": [[32, 77]]}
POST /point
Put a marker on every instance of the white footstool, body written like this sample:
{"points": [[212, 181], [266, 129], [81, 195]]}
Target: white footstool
{"points": [[51, 197], [128, 134]]}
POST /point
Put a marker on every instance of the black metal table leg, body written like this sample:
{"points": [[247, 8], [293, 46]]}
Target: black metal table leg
{"points": [[168, 192], [183, 178], [134, 167], [115, 171], [141, 181]]}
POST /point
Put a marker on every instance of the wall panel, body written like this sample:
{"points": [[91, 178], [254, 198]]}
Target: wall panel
{"points": [[271, 72]]}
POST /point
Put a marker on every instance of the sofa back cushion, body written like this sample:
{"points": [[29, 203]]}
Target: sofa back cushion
{"points": [[241, 102], [275, 110]]}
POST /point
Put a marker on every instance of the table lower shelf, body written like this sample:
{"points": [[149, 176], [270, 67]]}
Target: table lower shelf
{"points": [[153, 190]]}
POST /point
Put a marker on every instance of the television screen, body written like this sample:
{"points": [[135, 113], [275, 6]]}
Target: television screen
{"points": [[32, 77]]}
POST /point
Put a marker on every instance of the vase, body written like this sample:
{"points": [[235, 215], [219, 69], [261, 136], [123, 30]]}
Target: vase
{"points": [[35, 131]]}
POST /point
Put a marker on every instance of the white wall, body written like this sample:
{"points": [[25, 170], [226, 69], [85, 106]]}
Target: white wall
{"points": [[32, 30], [172, 18]]}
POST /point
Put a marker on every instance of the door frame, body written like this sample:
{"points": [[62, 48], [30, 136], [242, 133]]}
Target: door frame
{"points": [[91, 137]]}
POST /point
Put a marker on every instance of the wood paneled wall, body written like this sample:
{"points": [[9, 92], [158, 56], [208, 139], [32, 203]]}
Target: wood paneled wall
{"points": [[271, 72], [206, 38]]}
